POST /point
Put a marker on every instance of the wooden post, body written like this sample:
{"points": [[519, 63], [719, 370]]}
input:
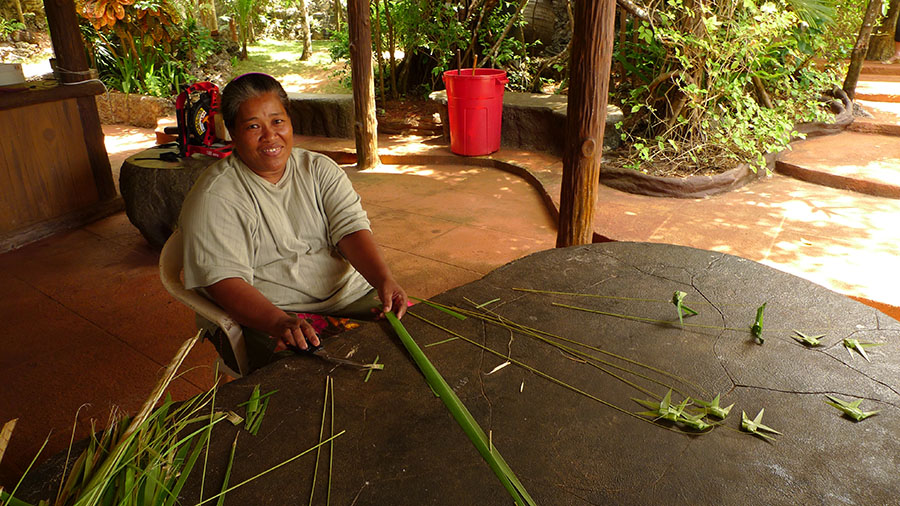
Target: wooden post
{"points": [[586, 117], [365, 125], [67, 44]]}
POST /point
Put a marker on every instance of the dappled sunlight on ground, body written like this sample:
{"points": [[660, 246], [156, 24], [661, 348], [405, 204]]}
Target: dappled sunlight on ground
{"points": [[128, 139], [299, 84], [412, 145], [408, 170]]}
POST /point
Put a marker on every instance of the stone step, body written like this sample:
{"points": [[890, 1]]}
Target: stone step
{"points": [[886, 89], [861, 162], [880, 68]]}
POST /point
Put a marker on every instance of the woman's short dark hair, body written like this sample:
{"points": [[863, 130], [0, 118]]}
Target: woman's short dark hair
{"points": [[245, 87]]}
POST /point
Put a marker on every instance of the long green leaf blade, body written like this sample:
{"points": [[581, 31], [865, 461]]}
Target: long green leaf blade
{"points": [[462, 416]]}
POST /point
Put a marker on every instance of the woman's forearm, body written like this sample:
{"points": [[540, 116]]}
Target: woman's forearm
{"points": [[251, 308], [360, 250], [246, 304]]}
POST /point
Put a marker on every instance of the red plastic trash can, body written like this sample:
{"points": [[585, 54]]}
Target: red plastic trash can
{"points": [[475, 109]]}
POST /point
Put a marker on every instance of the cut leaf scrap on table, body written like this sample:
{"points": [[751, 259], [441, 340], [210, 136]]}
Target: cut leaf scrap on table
{"points": [[678, 300], [850, 409], [855, 344], [256, 410], [757, 328], [756, 427], [808, 340]]}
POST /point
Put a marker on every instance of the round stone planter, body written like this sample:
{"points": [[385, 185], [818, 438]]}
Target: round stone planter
{"points": [[632, 181], [692, 187]]}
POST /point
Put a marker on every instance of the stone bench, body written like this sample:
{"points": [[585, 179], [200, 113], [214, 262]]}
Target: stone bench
{"points": [[535, 121]]}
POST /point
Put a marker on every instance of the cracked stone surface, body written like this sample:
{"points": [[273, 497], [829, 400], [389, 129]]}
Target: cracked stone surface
{"points": [[402, 447]]}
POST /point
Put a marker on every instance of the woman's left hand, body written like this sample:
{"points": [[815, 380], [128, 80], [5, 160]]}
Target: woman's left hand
{"points": [[393, 298]]}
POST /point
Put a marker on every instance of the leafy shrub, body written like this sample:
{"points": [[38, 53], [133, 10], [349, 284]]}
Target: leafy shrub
{"points": [[8, 26], [147, 50], [432, 34], [700, 77]]}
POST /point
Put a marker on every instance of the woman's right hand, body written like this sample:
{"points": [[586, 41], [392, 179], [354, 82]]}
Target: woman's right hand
{"points": [[295, 332]]}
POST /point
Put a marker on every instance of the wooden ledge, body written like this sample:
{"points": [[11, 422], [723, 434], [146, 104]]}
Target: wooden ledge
{"points": [[14, 97]]}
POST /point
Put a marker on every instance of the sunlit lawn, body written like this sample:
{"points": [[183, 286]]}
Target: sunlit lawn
{"points": [[281, 59]]}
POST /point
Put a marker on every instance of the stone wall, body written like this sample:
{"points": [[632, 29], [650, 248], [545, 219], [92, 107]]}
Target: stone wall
{"points": [[131, 109]]}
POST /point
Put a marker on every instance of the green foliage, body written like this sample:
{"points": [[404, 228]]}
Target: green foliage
{"points": [[843, 30], [148, 69], [245, 12], [430, 35], [8, 26], [696, 74]]}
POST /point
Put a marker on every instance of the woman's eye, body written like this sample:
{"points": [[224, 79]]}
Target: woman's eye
{"points": [[278, 121]]}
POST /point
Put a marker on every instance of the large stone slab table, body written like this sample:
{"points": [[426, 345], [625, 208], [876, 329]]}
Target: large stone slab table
{"points": [[401, 446]]}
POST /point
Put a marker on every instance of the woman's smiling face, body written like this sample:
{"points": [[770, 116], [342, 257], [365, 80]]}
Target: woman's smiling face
{"points": [[263, 136]]}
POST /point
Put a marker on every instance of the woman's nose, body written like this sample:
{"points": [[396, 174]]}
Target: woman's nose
{"points": [[266, 133]]}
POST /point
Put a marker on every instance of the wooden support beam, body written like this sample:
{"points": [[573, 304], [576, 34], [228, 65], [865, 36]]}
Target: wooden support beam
{"points": [[363, 79], [66, 37], [586, 117]]}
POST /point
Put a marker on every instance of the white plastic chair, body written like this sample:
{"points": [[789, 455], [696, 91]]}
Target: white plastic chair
{"points": [[171, 263]]}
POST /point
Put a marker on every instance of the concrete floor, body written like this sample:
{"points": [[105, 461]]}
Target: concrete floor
{"points": [[87, 325]]}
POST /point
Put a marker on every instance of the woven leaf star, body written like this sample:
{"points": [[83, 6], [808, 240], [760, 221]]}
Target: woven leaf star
{"points": [[757, 328], [713, 408], [808, 340], [678, 300], [663, 409], [851, 409], [756, 427], [695, 421], [854, 344]]}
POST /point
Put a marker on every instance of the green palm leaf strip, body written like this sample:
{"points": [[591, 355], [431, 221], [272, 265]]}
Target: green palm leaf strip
{"points": [[546, 376], [550, 338], [462, 416]]}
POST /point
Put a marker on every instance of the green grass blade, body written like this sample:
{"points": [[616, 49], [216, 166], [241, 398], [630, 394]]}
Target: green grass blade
{"points": [[441, 307], [286, 462], [225, 488], [8, 500], [462, 416], [331, 443], [312, 490], [188, 466], [38, 454]]}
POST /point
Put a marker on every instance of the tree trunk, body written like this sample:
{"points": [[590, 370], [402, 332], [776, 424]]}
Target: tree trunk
{"points": [[586, 119], [881, 45], [338, 15], [19, 12], [493, 52], [392, 45], [208, 18], [379, 50], [859, 49], [365, 125], [304, 28]]}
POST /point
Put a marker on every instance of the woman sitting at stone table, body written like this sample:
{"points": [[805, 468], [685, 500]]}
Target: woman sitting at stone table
{"points": [[273, 230]]}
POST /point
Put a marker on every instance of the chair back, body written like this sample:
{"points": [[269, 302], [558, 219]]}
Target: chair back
{"points": [[171, 264]]}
